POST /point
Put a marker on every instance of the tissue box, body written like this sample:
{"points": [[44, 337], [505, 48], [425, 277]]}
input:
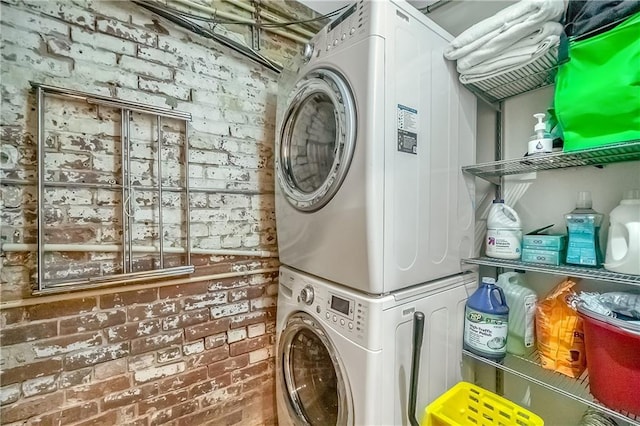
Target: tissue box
{"points": [[545, 242], [546, 257]]}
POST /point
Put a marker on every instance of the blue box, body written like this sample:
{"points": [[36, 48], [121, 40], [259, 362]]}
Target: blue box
{"points": [[553, 242], [545, 257]]}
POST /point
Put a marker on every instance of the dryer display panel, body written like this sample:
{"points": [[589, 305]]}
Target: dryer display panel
{"points": [[341, 305]]}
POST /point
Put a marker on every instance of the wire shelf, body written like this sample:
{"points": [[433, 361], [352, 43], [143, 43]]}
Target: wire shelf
{"points": [[540, 73], [529, 369], [615, 153], [600, 274]]}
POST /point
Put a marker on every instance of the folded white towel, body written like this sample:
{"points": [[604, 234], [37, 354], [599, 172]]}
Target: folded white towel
{"points": [[506, 27], [510, 60], [488, 51]]}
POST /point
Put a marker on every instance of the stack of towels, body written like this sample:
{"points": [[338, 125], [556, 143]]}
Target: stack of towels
{"points": [[514, 37]]}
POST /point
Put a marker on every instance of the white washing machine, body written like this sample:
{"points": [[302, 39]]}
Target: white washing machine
{"points": [[344, 358], [373, 127]]}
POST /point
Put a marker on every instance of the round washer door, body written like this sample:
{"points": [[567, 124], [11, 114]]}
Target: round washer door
{"points": [[312, 378], [316, 139]]}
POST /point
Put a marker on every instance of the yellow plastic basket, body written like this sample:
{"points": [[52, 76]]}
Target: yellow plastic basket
{"points": [[468, 404]]}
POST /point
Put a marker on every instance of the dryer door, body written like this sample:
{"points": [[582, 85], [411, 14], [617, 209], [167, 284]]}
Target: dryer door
{"points": [[316, 139], [312, 377]]}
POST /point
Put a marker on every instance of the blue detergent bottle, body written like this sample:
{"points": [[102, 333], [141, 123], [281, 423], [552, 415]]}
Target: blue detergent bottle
{"points": [[486, 320]]}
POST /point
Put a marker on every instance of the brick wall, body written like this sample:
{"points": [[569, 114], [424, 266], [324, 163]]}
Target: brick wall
{"points": [[168, 352]]}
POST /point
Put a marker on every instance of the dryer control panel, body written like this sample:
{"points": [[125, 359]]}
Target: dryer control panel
{"points": [[341, 29]]}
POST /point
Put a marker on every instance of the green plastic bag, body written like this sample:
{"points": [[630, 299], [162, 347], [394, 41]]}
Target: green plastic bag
{"points": [[597, 95]]}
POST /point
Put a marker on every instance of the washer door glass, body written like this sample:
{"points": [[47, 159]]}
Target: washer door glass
{"points": [[313, 380], [316, 140]]}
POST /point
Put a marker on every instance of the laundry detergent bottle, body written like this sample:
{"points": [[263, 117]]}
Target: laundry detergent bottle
{"points": [[504, 232], [623, 243], [522, 309], [486, 321], [583, 230]]}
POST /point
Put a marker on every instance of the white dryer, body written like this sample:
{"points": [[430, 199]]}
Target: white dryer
{"points": [[344, 358], [373, 128]]}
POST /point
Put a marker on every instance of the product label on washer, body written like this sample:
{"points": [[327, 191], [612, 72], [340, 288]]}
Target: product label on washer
{"points": [[407, 129]]}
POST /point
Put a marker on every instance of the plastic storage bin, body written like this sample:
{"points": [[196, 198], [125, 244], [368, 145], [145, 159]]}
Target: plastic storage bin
{"points": [[468, 404], [613, 360]]}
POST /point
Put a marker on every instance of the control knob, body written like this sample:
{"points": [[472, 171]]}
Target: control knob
{"points": [[306, 295], [307, 53]]}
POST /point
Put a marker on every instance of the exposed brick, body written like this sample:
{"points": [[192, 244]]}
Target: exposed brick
{"points": [[11, 393], [117, 300], [215, 341], [39, 386], [145, 68], [155, 373], [76, 51], [193, 348], [65, 344], [29, 21], [170, 89], [128, 397], [68, 415], [107, 42], [231, 309], [180, 410], [174, 291], [155, 342], [208, 357], [75, 378], [95, 356], [30, 371], [28, 332], [186, 319], [154, 310], [250, 371], [24, 409], [69, 13], [169, 354], [209, 386], [93, 321], [97, 389], [236, 335], [162, 401], [206, 329], [205, 300], [107, 419], [125, 31], [228, 365], [184, 380], [132, 330], [11, 316], [110, 369], [248, 345], [60, 309], [248, 319]]}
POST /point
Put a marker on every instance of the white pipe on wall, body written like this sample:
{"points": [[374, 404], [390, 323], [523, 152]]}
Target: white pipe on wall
{"points": [[226, 15], [114, 248]]}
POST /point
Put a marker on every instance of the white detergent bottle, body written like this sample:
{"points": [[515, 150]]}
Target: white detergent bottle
{"points": [[541, 142], [522, 308], [623, 243], [504, 232]]}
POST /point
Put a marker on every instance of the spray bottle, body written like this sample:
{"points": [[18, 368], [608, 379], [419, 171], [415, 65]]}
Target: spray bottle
{"points": [[541, 142]]}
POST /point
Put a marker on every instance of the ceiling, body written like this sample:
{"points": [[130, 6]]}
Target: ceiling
{"points": [[455, 16]]}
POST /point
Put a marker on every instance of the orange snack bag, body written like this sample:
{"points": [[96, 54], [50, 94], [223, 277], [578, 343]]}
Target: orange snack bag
{"points": [[559, 333]]}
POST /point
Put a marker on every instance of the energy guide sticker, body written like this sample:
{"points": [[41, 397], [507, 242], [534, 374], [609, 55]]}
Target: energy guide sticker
{"points": [[407, 129]]}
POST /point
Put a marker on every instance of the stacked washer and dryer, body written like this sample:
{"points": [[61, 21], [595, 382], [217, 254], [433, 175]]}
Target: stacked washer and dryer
{"points": [[373, 216]]}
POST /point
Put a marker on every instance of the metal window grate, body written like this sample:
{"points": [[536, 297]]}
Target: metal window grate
{"points": [[128, 184]]}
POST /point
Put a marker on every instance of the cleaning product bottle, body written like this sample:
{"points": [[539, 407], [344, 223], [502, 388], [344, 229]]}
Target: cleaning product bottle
{"points": [[504, 232], [583, 229], [623, 243], [541, 142], [486, 317], [522, 309]]}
